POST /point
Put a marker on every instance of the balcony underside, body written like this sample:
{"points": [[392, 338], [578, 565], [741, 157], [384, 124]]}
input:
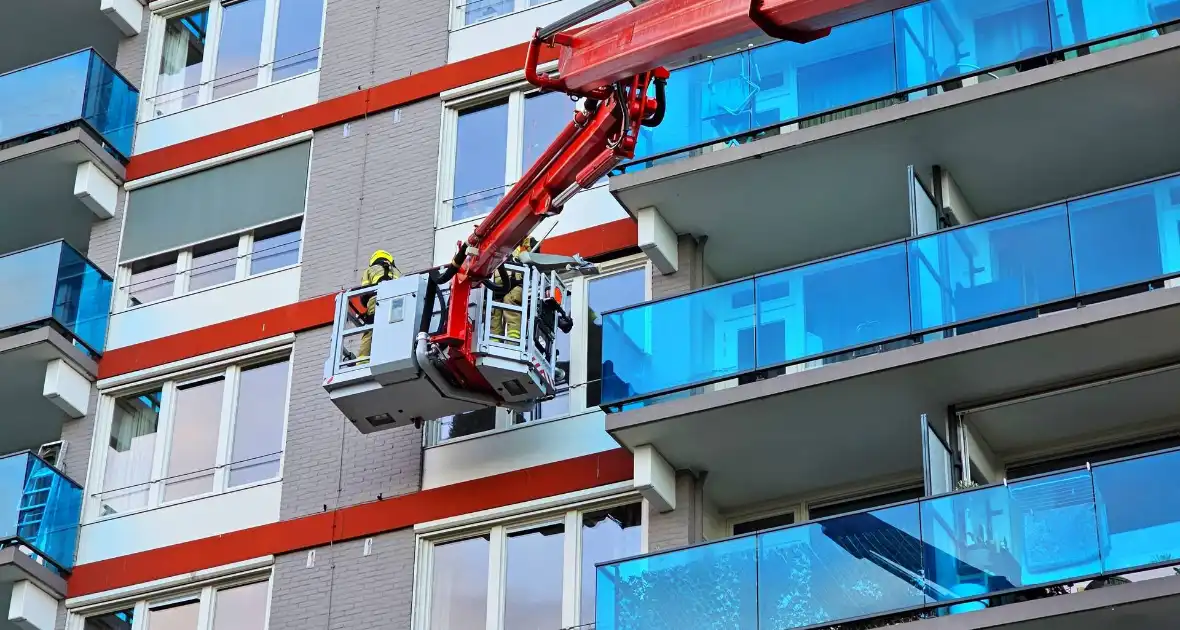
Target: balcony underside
{"points": [[30, 419], [857, 421], [1070, 128], [32, 31], [38, 180]]}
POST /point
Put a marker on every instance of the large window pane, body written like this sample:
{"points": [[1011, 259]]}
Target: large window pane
{"points": [[130, 452], [297, 44], [1140, 511], [459, 585], [469, 423], [274, 248], [1079, 21], [1126, 236], [119, 620], [545, 115], [152, 279], [213, 263], [258, 424], [239, 47], [532, 593], [241, 607], [181, 616], [181, 62], [476, 10], [195, 425], [604, 294], [606, 535], [481, 149]]}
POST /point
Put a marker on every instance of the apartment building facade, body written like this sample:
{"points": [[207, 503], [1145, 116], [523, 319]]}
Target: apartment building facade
{"points": [[881, 333]]}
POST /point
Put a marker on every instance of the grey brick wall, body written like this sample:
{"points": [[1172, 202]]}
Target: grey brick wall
{"points": [[682, 526], [346, 590], [130, 61], [411, 37], [79, 434], [387, 201], [330, 463]]}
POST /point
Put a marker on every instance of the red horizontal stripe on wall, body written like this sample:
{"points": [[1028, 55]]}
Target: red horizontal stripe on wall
{"points": [[599, 240], [296, 317], [358, 521], [334, 111]]}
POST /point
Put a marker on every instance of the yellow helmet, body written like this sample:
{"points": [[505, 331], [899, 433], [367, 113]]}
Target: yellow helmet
{"points": [[380, 254]]}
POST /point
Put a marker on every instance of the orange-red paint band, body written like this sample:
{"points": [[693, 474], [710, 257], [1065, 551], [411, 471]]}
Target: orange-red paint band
{"points": [[594, 242], [334, 111], [296, 317], [571, 475]]}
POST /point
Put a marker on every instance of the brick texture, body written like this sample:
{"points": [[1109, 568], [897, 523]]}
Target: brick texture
{"points": [[687, 273], [411, 36], [330, 463], [366, 197], [346, 590], [78, 435], [682, 526], [132, 52]]}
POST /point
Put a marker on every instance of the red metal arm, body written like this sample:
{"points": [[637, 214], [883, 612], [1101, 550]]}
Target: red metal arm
{"points": [[612, 64]]}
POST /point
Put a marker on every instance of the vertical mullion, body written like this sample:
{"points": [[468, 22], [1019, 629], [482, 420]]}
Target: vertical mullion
{"points": [[266, 52], [579, 345], [205, 610], [105, 412], [163, 441], [209, 65], [571, 571], [151, 71], [245, 244], [226, 426], [514, 148], [139, 615], [497, 565], [448, 159], [184, 265]]}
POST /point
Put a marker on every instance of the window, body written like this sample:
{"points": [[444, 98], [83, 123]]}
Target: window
{"points": [[240, 604], [495, 140], [468, 12], [539, 573], [194, 436], [219, 49], [210, 264], [620, 283]]}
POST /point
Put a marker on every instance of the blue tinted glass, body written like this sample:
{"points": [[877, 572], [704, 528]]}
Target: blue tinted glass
{"points": [[711, 586], [82, 299], [1080, 21], [689, 339], [852, 64], [1126, 236], [39, 506], [27, 284], [706, 101], [42, 96], [1139, 511], [110, 105], [861, 564], [943, 39], [832, 305], [989, 268], [998, 538]]}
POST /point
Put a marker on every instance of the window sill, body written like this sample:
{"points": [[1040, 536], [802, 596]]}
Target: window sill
{"points": [[500, 17], [209, 288], [199, 497], [515, 427], [146, 107]]}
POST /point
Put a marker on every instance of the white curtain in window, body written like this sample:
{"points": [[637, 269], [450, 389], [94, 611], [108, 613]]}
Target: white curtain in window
{"points": [[129, 455], [173, 63]]}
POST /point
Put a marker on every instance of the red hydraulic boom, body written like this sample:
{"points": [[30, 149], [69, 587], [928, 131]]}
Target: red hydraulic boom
{"points": [[616, 65]]}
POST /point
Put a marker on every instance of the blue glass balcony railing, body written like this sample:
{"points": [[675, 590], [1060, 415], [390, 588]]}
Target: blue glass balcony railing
{"points": [[81, 87], [54, 284], [39, 510], [944, 554], [978, 275], [883, 60]]}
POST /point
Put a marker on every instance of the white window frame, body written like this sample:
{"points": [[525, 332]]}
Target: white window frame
{"points": [[458, 15], [163, 10], [182, 272], [205, 593], [571, 587], [231, 371], [579, 350], [516, 90]]}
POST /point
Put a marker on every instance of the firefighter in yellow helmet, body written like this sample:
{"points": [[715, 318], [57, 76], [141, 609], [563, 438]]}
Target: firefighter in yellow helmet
{"points": [[504, 322], [381, 267]]}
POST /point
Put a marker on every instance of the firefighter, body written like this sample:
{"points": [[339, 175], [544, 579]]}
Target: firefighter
{"points": [[381, 267], [511, 291]]}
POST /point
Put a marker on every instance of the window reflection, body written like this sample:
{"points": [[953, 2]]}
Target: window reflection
{"points": [[241, 607], [178, 616], [604, 294], [459, 588], [130, 452], [532, 598], [607, 535], [258, 424], [196, 424]]}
